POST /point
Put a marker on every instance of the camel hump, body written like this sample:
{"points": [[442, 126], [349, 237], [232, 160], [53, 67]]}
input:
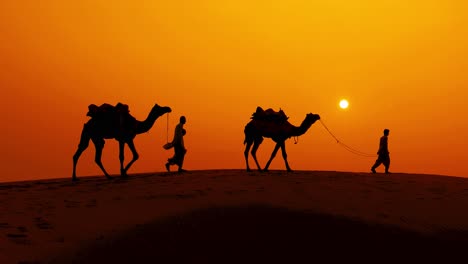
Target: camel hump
{"points": [[107, 109], [269, 115], [122, 108]]}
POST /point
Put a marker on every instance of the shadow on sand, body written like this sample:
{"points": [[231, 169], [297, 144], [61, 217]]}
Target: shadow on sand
{"points": [[261, 234]]}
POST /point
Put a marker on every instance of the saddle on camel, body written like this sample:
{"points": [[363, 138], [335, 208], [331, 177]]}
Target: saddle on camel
{"points": [[120, 113], [269, 115], [106, 110]]}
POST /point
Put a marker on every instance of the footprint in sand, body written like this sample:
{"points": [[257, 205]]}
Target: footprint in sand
{"points": [[22, 229], [201, 192], [236, 192], [16, 235], [19, 237], [29, 262], [185, 196], [21, 241], [60, 239], [41, 223], [4, 226], [71, 204], [91, 203], [437, 190], [382, 215]]}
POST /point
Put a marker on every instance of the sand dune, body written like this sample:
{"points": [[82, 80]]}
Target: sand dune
{"points": [[221, 216]]}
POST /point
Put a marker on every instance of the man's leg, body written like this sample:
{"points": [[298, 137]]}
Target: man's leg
{"points": [[377, 164], [181, 160], [179, 157], [171, 161], [387, 164]]}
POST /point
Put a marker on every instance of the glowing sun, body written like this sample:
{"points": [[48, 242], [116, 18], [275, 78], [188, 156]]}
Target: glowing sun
{"points": [[344, 104]]}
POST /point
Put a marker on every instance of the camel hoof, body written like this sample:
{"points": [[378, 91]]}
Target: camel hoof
{"points": [[75, 179], [249, 170]]}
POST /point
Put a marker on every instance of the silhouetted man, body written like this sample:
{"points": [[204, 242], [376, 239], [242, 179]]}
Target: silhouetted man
{"points": [[178, 144], [384, 155]]}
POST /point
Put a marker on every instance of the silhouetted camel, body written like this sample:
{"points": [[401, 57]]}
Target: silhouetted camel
{"points": [[278, 129], [114, 122]]}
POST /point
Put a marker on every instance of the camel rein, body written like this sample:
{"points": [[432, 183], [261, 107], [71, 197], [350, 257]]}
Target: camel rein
{"points": [[348, 148], [296, 139]]}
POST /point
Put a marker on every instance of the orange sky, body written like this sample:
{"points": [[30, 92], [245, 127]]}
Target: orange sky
{"points": [[401, 64]]}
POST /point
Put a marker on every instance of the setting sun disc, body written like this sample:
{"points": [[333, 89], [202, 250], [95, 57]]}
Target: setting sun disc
{"points": [[344, 104]]}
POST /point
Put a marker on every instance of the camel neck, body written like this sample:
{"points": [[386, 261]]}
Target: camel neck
{"points": [[145, 125], [302, 129]]}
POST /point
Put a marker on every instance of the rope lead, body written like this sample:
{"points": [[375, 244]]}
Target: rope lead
{"points": [[348, 148]]}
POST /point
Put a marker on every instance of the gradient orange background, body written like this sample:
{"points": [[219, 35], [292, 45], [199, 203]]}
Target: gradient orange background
{"points": [[401, 64]]}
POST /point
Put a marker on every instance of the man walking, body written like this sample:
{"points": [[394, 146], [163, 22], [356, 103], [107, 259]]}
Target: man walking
{"points": [[179, 148], [384, 154]]}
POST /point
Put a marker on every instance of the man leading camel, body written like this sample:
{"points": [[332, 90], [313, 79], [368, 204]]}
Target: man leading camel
{"points": [[116, 122], [384, 154], [178, 145]]}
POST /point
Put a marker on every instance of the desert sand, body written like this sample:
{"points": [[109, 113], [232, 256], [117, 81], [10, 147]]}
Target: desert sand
{"points": [[222, 216]]}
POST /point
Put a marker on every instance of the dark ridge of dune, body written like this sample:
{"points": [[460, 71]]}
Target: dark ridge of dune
{"points": [[262, 234], [219, 216], [92, 178]]}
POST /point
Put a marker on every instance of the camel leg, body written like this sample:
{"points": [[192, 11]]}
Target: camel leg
{"points": [[82, 146], [99, 145], [254, 151], [285, 155], [273, 154], [246, 153], [131, 145], [122, 156]]}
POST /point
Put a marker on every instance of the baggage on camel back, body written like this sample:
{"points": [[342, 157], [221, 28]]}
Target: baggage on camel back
{"points": [[118, 114], [269, 115]]}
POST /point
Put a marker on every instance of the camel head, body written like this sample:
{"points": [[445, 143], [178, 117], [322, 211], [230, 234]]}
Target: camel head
{"points": [[306, 124], [155, 113], [158, 111], [311, 118]]}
